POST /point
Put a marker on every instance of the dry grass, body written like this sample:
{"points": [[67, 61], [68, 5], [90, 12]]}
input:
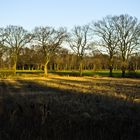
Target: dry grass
{"points": [[75, 108], [116, 87]]}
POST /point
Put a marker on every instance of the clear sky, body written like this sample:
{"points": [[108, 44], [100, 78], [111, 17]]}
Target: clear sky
{"points": [[31, 13]]}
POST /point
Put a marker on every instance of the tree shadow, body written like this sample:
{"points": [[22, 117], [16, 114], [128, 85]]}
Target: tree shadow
{"points": [[127, 88]]}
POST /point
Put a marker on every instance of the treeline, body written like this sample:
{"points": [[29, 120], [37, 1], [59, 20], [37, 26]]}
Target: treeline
{"points": [[111, 43]]}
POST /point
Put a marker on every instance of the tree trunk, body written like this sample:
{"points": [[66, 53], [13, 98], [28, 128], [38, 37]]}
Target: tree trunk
{"points": [[110, 71], [81, 68], [46, 69], [136, 66], [15, 67], [29, 67], [51, 67], [124, 67], [110, 65], [94, 67], [57, 67], [123, 73], [15, 64], [23, 67]]}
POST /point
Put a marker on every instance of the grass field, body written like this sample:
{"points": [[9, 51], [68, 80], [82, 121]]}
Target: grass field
{"points": [[38, 73], [103, 73], [69, 108]]}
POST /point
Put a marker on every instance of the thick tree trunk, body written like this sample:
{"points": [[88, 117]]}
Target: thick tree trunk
{"points": [[123, 73], [124, 67]]}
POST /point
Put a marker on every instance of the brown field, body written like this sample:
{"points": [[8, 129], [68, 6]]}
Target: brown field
{"points": [[80, 108], [116, 87]]}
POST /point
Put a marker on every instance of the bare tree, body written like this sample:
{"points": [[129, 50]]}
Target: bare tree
{"points": [[2, 39], [16, 39], [104, 29], [3, 48], [49, 40], [79, 43], [128, 33]]}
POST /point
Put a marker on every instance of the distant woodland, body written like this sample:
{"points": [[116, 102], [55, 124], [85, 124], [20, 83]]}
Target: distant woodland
{"points": [[112, 43]]}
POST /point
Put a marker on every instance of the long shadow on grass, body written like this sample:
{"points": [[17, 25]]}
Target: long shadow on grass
{"points": [[64, 114], [129, 88]]}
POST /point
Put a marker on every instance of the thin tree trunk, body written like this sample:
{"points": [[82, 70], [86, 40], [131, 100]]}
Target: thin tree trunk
{"points": [[46, 68], [57, 67], [29, 68], [136, 66], [81, 68], [15, 64], [51, 67], [23, 67], [94, 67], [15, 67], [110, 65], [110, 71]]}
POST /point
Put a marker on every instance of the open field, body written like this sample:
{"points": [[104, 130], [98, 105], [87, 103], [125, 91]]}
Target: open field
{"points": [[69, 108], [103, 73]]}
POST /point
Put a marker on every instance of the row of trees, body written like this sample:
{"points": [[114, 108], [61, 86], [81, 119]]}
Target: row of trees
{"points": [[116, 38]]}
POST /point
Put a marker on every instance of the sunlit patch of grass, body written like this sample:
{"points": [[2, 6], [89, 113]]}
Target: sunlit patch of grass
{"points": [[119, 88]]}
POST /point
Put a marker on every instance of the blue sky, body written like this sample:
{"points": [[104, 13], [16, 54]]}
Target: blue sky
{"points": [[56, 13]]}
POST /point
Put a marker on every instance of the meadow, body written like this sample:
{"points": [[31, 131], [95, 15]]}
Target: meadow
{"points": [[34, 107], [37, 73]]}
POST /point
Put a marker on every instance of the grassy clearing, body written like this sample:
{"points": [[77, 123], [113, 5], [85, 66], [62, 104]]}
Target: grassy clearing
{"points": [[39, 73], [66, 108], [103, 73]]}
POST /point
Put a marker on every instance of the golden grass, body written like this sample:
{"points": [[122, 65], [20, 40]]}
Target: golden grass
{"points": [[127, 89]]}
